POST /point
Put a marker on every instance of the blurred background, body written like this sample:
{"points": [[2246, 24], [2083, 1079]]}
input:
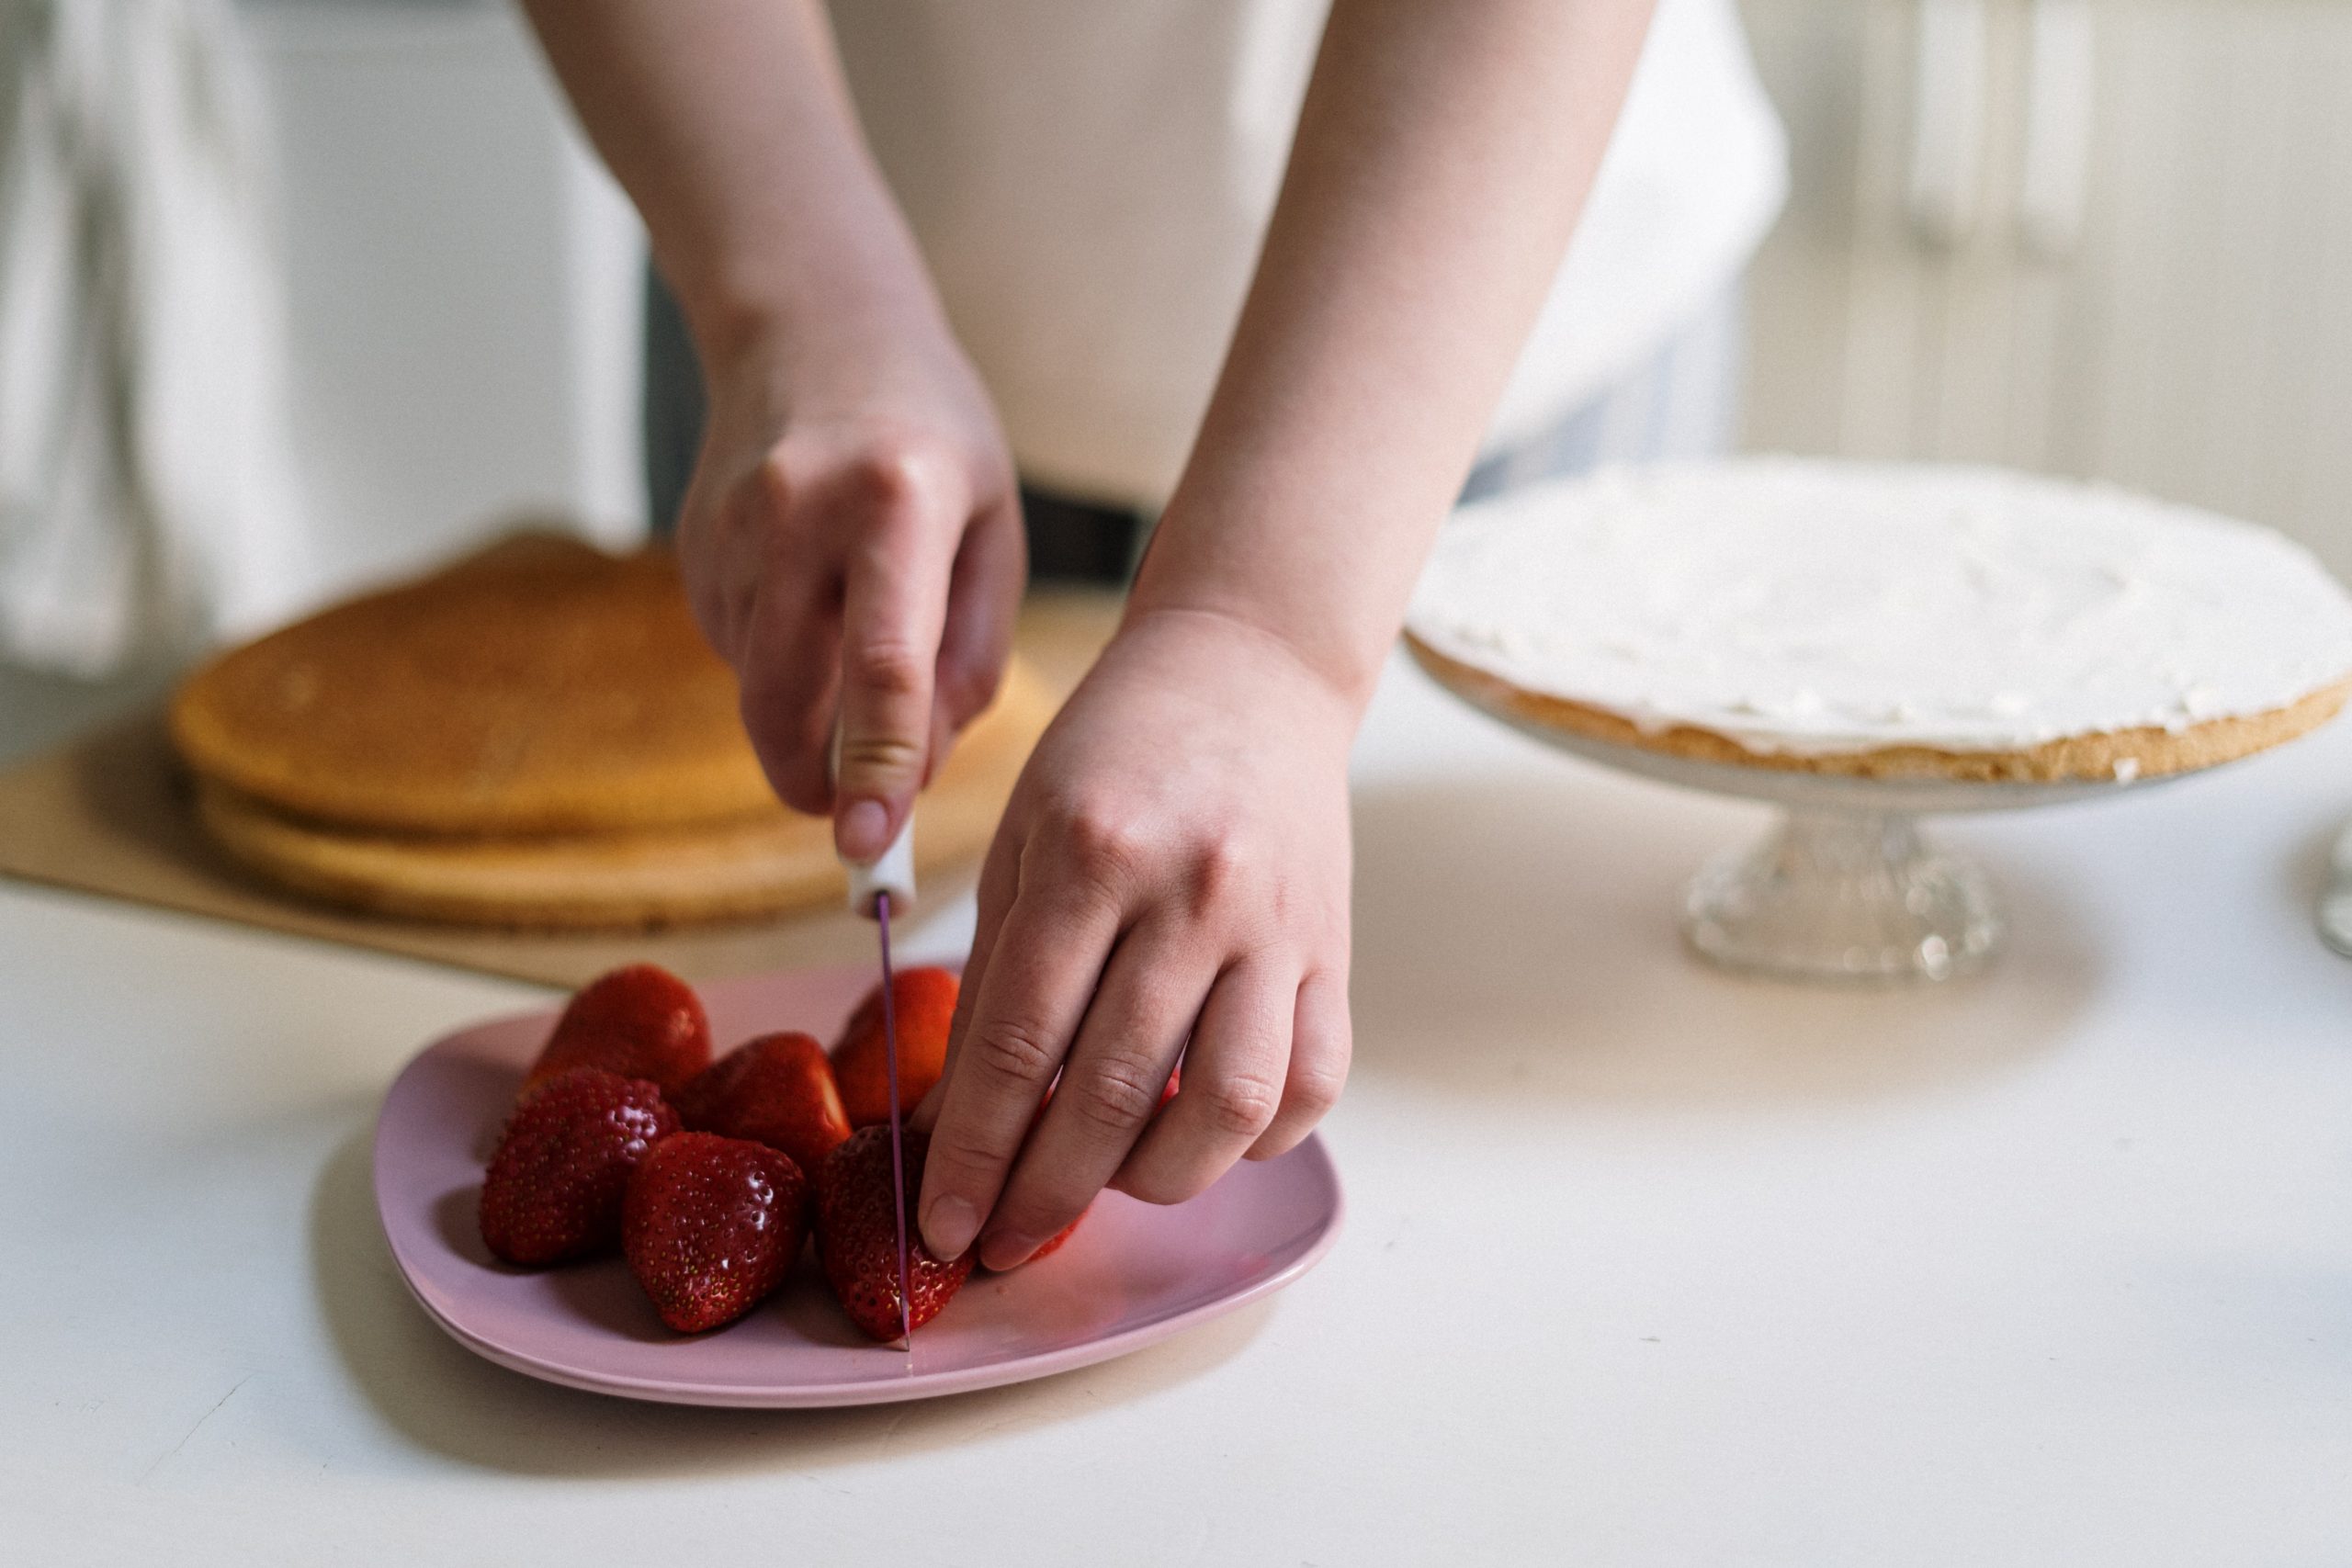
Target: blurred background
{"points": [[2103, 238]]}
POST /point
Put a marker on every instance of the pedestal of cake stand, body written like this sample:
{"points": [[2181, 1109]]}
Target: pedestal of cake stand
{"points": [[1844, 887], [1843, 895], [2335, 912]]}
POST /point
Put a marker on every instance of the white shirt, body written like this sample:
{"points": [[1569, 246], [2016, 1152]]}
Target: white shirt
{"points": [[1090, 183]]}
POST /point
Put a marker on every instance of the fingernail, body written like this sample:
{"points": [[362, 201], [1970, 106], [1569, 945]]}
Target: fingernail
{"points": [[863, 831], [948, 1226], [1007, 1249]]}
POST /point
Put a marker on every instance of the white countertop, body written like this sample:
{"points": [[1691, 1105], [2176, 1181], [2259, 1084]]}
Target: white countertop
{"points": [[1645, 1264]]}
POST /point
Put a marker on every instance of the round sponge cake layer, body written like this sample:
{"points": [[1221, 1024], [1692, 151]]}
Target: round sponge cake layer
{"points": [[539, 687], [752, 866], [1884, 619], [2146, 751]]}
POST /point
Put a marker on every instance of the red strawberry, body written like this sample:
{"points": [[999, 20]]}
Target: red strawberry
{"points": [[1053, 1243], [712, 1225], [777, 1090], [925, 1002], [641, 1023], [553, 1189], [857, 1237]]}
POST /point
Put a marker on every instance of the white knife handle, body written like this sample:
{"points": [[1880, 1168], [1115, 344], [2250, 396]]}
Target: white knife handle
{"points": [[893, 872]]}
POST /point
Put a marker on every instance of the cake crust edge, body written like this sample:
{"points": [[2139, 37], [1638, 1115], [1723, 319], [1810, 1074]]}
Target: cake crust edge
{"points": [[2145, 752], [625, 880]]}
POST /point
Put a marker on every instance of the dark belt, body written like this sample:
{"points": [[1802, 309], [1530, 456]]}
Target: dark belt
{"points": [[1080, 541]]}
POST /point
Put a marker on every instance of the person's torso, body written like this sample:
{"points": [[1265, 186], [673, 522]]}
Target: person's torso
{"points": [[1089, 184]]}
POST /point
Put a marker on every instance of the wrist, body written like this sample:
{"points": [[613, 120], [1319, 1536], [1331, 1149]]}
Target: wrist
{"points": [[1255, 534], [839, 281], [807, 321], [1341, 688], [1341, 643]]}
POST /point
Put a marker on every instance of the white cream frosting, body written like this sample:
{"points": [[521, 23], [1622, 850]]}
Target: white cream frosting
{"points": [[1815, 606]]}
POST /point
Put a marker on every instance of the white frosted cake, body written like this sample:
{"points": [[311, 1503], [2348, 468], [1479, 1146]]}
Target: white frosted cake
{"points": [[1883, 619]]}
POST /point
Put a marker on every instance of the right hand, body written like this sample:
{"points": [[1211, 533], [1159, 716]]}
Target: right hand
{"points": [[852, 544]]}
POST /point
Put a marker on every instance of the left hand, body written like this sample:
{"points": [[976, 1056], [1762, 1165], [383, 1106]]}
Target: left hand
{"points": [[1171, 880]]}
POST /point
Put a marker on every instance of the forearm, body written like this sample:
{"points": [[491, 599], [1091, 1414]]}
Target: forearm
{"points": [[1443, 155], [729, 125]]}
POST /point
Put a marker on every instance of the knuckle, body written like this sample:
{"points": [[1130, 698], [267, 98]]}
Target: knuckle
{"points": [[1313, 1088], [1214, 877], [1239, 1104], [889, 669], [1161, 1187], [1012, 1049], [1114, 1096], [957, 1162], [887, 473], [898, 477], [1101, 843]]}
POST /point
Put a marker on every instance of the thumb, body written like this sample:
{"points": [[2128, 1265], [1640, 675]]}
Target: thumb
{"points": [[893, 610]]}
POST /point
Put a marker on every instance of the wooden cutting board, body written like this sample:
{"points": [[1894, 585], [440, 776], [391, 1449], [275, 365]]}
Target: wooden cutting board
{"points": [[111, 814]]}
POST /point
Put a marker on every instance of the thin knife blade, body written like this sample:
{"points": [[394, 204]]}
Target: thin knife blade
{"points": [[897, 1128]]}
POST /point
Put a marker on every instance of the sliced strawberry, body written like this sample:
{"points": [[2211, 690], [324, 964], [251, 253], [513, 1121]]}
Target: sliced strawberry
{"points": [[554, 1186], [857, 1237], [777, 1090], [641, 1022], [924, 1000], [712, 1225]]}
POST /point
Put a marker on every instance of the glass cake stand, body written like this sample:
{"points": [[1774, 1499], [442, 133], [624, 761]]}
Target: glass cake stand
{"points": [[1844, 888]]}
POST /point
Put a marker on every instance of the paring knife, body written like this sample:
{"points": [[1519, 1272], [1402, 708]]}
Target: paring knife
{"points": [[874, 891]]}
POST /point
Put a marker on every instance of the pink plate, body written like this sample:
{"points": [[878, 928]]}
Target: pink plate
{"points": [[1133, 1274]]}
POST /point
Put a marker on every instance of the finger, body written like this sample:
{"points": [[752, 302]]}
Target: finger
{"points": [[983, 602], [1232, 1086], [1134, 1032], [1041, 970], [1000, 881], [719, 554], [1320, 1044], [785, 682], [894, 608]]}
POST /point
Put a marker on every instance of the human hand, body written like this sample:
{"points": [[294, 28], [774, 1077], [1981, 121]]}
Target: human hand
{"points": [[1171, 878], [851, 542]]}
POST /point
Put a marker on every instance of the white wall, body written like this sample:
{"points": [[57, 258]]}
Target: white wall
{"points": [[465, 304], [2193, 339], [464, 282]]}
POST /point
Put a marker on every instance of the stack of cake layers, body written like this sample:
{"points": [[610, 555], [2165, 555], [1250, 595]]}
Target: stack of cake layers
{"points": [[535, 737]]}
